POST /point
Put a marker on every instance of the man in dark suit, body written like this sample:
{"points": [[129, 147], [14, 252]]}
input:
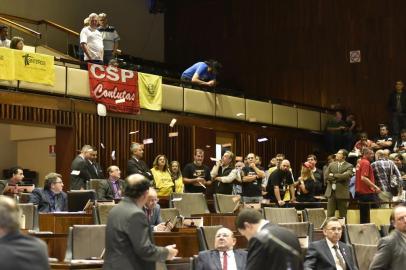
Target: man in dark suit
{"points": [[79, 175], [136, 164], [111, 188], [330, 253], [129, 242], [223, 257], [153, 212], [391, 254], [269, 246], [337, 176], [51, 198], [18, 251], [94, 168]]}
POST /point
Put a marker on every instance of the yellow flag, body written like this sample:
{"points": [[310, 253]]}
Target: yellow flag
{"points": [[6, 64], [34, 67], [150, 91]]}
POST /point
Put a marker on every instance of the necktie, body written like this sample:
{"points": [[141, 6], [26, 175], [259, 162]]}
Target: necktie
{"points": [[340, 259], [225, 260]]}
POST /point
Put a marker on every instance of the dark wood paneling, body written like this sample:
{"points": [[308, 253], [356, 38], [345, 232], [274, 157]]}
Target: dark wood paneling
{"points": [[78, 125], [296, 50]]}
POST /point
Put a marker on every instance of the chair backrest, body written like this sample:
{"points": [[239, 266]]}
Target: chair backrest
{"points": [[94, 184], [102, 212], [280, 215], [169, 214], [224, 203], [77, 199], [302, 230], [206, 236], [316, 216], [3, 185], [30, 211], [366, 234], [24, 197], [85, 241], [364, 255], [190, 203], [385, 229]]}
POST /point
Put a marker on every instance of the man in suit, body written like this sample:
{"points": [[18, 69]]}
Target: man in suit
{"points": [[79, 169], [153, 212], [269, 246], [51, 198], [330, 253], [129, 242], [391, 254], [224, 256], [337, 177], [136, 164], [111, 188], [95, 170], [18, 251]]}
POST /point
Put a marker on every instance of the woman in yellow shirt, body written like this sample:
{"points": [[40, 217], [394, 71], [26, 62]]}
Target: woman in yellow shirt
{"points": [[162, 177], [176, 176]]}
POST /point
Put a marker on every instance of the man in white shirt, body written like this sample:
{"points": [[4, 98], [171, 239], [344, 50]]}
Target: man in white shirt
{"points": [[91, 41], [223, 257], [330, 253], [4, 41]]}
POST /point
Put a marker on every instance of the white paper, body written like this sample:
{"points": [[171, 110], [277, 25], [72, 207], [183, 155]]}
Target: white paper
{"points": [[173, 134], [101, 109], [134, 132], [173, 122], [208, 146], [239, 114], [176, 199], [148, 141], [75, 172], [118, 101], [226, 145], [262, 139], [113, 155], [102, 145]]}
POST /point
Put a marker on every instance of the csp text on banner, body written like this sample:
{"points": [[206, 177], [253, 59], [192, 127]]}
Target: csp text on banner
{"points": [[116, 88]]}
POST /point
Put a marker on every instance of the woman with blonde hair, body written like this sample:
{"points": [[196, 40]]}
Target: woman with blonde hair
{"points": [[305, 186], [177, 177], [162, 177]]}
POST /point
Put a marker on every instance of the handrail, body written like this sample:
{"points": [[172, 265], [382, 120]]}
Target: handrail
{"points": [[20, 27], [21, 19], [60, 27], [38, 22]]}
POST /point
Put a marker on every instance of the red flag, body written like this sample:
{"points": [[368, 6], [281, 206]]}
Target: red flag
{"points": [[114, 87]]}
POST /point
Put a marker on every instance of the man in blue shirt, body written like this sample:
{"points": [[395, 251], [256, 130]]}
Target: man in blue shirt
{"points": [[202, 73]]}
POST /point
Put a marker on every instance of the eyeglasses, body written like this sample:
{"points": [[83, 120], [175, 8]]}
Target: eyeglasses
{"points": [[222, 235], [339, 229]]}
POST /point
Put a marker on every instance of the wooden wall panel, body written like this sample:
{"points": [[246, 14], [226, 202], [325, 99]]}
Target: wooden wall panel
{"points": [[113, 133], [296, 50]]}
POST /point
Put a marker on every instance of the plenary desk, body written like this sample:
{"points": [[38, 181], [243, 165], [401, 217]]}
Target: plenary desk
{"points": [[176, 264], [187, 242], [226, 219], [61, 221]]}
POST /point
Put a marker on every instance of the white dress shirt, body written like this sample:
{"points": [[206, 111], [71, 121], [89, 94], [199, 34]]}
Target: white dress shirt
{"points": [[333, 252], [231, 264]]}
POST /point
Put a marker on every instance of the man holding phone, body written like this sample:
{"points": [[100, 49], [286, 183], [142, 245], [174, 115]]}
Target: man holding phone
{"points": [[153, 212]]}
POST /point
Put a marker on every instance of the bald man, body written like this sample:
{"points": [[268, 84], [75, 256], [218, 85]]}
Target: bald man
{"points": [[223, 256], [280, 182], [129, 243]]}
